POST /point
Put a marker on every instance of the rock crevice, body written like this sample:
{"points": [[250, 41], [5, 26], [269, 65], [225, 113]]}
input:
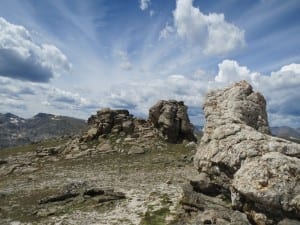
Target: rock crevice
{"points": [[238, 155], [167, 119]]}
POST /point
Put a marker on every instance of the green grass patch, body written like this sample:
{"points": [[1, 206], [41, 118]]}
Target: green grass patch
{"points": [[156, 217], [11, 151]]}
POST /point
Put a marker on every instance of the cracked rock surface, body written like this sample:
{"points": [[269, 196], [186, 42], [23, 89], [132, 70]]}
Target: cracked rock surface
{"points": [[258, 173]]}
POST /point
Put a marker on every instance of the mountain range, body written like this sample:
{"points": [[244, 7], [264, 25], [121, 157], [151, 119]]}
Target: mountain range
{"points": [[15, 130], [286, 132], [281, 131]]}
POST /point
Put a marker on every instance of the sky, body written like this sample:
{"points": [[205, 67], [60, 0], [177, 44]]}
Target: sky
{"points": [[74, 57]]}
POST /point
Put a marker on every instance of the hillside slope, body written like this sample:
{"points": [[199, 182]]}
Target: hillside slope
{"points": [[16, 131]]}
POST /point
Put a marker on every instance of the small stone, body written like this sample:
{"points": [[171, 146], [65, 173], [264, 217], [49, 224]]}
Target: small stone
{"points": [[191, 144], [104, 147], [136, 150], [169, 181], [92, 133], [129, 139], [289, 222], [84, 147]]}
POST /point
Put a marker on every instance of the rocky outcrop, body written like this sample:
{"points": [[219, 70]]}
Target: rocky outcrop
{"points": [[168, 118], [119, 131], [171, 118], [108, 121], [258, 173]]}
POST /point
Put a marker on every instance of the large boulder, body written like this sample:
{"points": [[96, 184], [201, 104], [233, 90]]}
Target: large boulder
{"points": [[168, 121], [171, 118], [108, 121], [260, 173]]}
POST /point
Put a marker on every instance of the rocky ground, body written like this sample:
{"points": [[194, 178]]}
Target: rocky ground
{"points": [[125, 170], [241, 164], [102, 188], [122, 170]]}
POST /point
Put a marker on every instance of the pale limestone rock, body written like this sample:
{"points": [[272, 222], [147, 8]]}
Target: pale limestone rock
{"points": [[272, 181], [104, 147], [238, 154], [136, 150]]}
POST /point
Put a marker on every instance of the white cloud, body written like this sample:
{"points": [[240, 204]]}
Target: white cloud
{"points": [[211, 33], [28, 98], [280, 88], [138, 97], [125, 63], [231, 71], [144, 4], [23, 58], [166, 32]]}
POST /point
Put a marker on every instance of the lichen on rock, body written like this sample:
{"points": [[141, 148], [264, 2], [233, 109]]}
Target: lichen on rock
{"points": [[259, 173]]}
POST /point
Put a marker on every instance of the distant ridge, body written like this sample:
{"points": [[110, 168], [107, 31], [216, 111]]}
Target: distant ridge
{"points": [[15, 130], [286, 132]]}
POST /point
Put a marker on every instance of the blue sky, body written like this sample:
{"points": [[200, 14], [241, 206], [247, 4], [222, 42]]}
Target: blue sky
{"points": [[73, 57]]}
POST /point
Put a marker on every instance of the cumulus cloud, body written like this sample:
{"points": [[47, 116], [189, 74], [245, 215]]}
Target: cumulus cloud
{"points": [[144, 4], [280, 88], [231, 71], [23, 58], [166, 32], [139, 96], [28, 98], [74, 100], [211, 33], [13, 104], [10, 90]]}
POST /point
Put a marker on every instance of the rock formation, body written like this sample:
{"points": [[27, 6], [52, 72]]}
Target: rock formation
{"points": [[167, 119], [119, 131], [171, 118], [108, 121], [238, 159]]}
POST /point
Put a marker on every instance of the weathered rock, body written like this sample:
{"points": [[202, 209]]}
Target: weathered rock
{"points": [[104, 147], [74, 190], [128, 126], [44, 151], [120, 131], [111, 196], [289, 222], [92, 133], [208, 210], [136, 150], [236, 151], [171, 118], [108, 121], [191, 145], [271, 181], [58, 198], [72, 146]]}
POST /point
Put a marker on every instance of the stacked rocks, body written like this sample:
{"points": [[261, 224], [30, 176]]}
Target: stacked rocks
{"points": [[168, 119], [171, 119], [108, 121]]}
